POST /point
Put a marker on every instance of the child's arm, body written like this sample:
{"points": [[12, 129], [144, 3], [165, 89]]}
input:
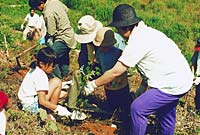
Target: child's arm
{"points": [[44, 102], [52, 104]]}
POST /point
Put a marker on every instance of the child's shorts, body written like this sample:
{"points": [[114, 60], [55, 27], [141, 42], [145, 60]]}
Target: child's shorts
{"points": [[34, 108]]}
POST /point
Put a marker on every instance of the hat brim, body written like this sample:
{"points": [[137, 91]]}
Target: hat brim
{"points": [[105, 44], [87, 38], [125, 23]]}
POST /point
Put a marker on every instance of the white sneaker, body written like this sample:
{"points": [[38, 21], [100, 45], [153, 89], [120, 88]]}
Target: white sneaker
{"points": [[76, 115], [66, 85]]}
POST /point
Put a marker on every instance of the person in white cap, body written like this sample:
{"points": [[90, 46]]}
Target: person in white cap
{"points": [[87, 27]]}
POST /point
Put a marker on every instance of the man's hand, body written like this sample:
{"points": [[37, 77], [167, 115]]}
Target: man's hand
{"points": [[82, 70], [196, 81], [90, 87], [62, 111]]}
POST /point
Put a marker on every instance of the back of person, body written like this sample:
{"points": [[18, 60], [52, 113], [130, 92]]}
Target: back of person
{"points": [[107, 55], [151, 58], [107, 60], [56, 11], [28, 89]]}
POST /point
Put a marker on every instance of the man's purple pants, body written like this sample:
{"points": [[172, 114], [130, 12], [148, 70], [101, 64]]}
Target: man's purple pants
{"points": [[158, 102]]}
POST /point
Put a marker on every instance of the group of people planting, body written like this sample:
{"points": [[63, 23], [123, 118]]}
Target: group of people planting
{"points": [[166, 74]]}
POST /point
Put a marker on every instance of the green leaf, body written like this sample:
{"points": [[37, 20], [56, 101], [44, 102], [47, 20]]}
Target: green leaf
{"points": [[43, 114], [52, 126]]}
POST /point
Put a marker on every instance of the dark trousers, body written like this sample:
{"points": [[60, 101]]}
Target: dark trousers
{"points": [[62, 63], [119, 98], [197, 97]]}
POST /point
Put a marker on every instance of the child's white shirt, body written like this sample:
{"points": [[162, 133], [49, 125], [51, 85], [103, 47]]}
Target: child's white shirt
{"points": [[35, 80]]}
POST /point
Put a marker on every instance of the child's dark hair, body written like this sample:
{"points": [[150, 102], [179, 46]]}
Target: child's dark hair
{"points": [[45, 55]]}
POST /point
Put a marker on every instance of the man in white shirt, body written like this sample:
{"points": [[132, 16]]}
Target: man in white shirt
{"points": [[157, 58], [30, 20]]}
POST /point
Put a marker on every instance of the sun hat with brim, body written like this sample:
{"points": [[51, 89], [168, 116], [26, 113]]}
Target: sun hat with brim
{"points": [[104, 37], [87, 28], [124, 15]]}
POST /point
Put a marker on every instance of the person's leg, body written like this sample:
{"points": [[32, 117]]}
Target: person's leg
{"points": [[25, 32], [74, 90], [54, 92], [197, 97], [167, 118], [113, 97], [146, 104], [62, 51], [122, 99], [64, 62]]}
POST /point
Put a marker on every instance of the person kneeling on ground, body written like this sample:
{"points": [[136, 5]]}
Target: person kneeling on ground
{"points": [[38, 91]]}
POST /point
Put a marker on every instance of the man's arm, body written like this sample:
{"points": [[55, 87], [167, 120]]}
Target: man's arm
{"points": [[111, 74]]}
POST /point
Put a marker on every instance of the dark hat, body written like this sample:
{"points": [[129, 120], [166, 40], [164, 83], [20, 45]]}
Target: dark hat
{"points": [[124, 15]]}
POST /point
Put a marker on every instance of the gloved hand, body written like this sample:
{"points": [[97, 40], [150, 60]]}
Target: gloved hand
{"points": [[90, 87], [22, 27], [62, 111], [197, 81], [42, 41], [82, 70]]}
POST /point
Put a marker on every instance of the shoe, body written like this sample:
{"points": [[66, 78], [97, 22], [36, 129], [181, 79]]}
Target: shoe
{"points": [[66, 85], [76, 115]]}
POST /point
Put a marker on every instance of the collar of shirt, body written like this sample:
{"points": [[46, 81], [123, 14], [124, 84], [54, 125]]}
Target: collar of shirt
{"points": [[140, 26]]}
